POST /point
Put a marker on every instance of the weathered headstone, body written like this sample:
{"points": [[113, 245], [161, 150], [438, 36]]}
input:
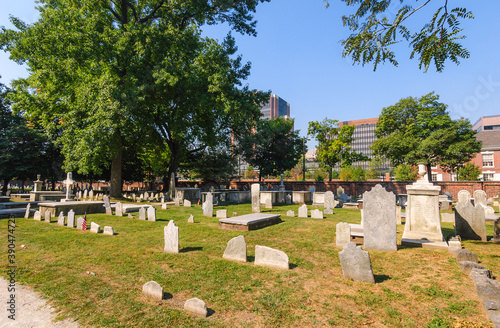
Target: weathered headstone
{"points": [[496, 231], [208, 205], [221, 214], [85, 194], [142, 213], [91, 194], [71, 219], [107, 205], [467, 266], [480, 198], [48, 216], [151, 213], [447, 217], [255, 197], [469, 219], [269, 257], [27, 213], [328, 211], [163, 206], [303, 211], [379, 219], [119, 209], [340, 191], [236, 249], [329, 200], [398, 215], [187, 203], [356, 263], [269, 203], [79, 222], [288, 199], [466, 255], [133, 197], [153, 289], [316, 214], [290, 213], [177, 202], [171, 234], [60, 219], [488, 210], [108, 231], [342, 234], [191, 219], [130, 216], [196, 307], [94, 227]]}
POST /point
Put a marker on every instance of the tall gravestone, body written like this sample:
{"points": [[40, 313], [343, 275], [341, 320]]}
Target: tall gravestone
{"points": [[107, 205], [142, 213], [151, 213], [329, 200], [91, 194], [71, 219], [255, 198], [37, 216], [48, 215], [27, 213], [469, 219], [171, 234], [60, 219], [379, 220], [356, 263], [342, 234], [119, 209], [208, 205], [302, 211]]}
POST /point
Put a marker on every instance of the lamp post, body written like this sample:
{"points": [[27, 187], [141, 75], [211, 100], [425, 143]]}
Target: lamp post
{"points": [[304, 158]]}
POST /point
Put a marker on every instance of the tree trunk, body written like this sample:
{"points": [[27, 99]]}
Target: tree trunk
{"points": [[115, 189], [5, 184], [22, 187], [429, 172]]}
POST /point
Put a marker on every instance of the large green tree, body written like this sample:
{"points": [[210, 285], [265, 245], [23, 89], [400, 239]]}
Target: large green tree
{"points": [[274, 147], [420, 130], [105, 71], [334, 144], [379, 25]]}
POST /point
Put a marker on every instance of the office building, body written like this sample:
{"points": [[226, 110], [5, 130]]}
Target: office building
{"points": [[275, 107], [486, 123]]}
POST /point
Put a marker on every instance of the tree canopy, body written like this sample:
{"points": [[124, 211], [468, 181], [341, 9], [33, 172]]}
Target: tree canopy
{"points": [[378, 25], [420, 130]]}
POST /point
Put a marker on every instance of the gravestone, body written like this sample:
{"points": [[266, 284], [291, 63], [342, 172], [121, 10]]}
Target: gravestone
{"points": [[208, 205], [288, 199], [236, 249], [469, 219], [48, 216], [107, 205], [342, 234], [119, 209], [196, 307], [71, 219], [177, 202], [271, 258], [94, 227], [290, 213], [153, 289], [108, 231], [480, 198], [316, 214], [340, 191], [379, 220], [303, 211], [496, 231], [344, 197], [151, 213], [133, 197], [171, 234], [356, 264], [60, 219], [467, 266], [79, 223], [191, 219], [187, 203], [466, 255], [162, 199], [85, 194], [27, 213], [328, 211], [163, 206], [329, 200], [398, 215], [130, 216], [142, 213], [221, 214], [255, 197], [447, 217], [488, 210], [91, 195], [269, 203], [312, 190]]}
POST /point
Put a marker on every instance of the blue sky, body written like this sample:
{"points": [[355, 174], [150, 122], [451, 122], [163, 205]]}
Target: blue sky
{"points": [[297, 55]]}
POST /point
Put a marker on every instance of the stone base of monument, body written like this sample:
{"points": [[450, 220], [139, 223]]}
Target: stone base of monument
{"points": [[428, 244], [357, 233], [491, 217], [78, 207], [352, 206], [14, 213], [249, 221]]}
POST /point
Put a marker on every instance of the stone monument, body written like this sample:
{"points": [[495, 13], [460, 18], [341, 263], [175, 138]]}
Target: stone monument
{"points": [[255, 197]]}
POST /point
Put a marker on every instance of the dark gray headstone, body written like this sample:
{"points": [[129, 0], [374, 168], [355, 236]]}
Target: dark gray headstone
{"points": [[469, 219]]}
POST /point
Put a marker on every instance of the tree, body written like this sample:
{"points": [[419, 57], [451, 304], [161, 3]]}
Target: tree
{"points": [[274, 147], [212, 165], [419, 130], [334, 144], [105, 71], [406, 172], [352, 173], [469, 172], [375, 32]]}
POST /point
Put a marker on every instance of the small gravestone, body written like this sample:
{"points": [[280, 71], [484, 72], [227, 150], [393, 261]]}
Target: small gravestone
{"points": [[119, 209], [162, 199], [187, 203], [329, 200], [342, 234], [221, 214], [447, 217], [269, 203], [290, 213], [79, 223], [470, 219], [71, 219], [466, 255], [94, 227], [171, 234], [133, 197], [379, 220], [255, 197], [151, 213], [196, 307], [340, 191], [191, 219], [288, 199], [316, 214], [208, 205], [454, 244], [271, 258], [142, 213], [107, 205], [153, 289], [467, 266], [235, 214], [496, 231], [328, 211], [60, 219], [48, 216], [236, 249], [177, 202], [130, 216], [163, 206], [108, 231], [488, 210], [27, 213], [303, 211], [356, 264]]}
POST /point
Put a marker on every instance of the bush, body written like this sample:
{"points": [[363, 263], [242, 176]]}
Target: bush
{"points": [[469, 172], [406, 172], [352, 173], [319, 175]]}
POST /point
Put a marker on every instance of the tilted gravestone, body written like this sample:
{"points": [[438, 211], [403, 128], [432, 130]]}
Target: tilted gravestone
{"points": [[171, 234], [94, 227], [153, 289], [191, 219], [255, 197], [356, 264], [48, 215], [27, 213], [60, 219], [151, 213], [71, 219], [236, 249], [142, 213], [269, 257], [379, 219], [303, 211], [208, 205], [469, 219], [196, 307], [343, 234], [187, 203], [107, 205]]}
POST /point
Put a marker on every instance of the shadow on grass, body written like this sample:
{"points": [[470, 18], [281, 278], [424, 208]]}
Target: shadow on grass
{"points": [[250, 258], [210, 312], [167, 296], [381, 278], [292, 266], [191, 249]]}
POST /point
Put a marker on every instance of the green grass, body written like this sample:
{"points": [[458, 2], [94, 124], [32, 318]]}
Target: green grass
{"points": [[415, 287]]}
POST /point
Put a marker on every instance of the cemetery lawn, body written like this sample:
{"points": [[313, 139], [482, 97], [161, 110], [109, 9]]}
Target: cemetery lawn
{"points": [[414, 287]]}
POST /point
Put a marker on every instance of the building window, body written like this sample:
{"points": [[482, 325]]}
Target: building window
{"points": [[434, 177], [487, 159], [488, 176]]}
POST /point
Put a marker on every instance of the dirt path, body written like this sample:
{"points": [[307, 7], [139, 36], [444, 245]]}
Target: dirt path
{"points": [[31, 310]]}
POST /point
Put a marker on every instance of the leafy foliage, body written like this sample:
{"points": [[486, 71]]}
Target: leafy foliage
{"points": [[377, 26], [406, 172], [352, 173], [469, 172]]}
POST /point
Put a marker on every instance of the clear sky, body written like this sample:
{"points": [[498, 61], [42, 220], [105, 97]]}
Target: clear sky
{"points": [[297, 55]]}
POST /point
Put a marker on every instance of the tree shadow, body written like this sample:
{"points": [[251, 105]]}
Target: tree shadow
{"points": [[292, 266], [210, 312], [190, 249], [381, 278], [167, 296]]}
